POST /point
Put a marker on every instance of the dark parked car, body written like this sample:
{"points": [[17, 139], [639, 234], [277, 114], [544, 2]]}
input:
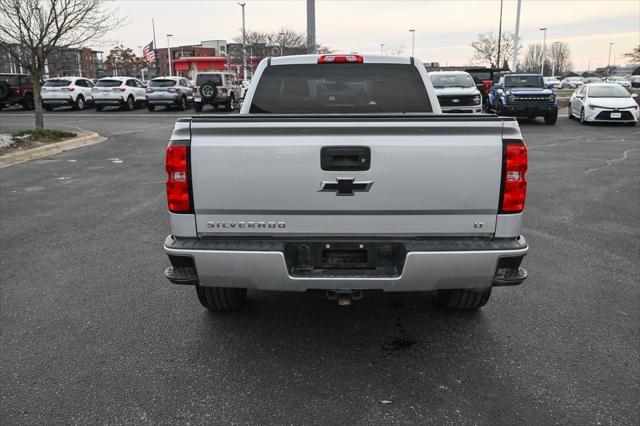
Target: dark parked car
{"points": [[635, 80], [16, 89], [523, 95]]}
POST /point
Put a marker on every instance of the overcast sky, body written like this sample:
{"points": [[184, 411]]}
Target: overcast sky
{"points": [[444, 28]]}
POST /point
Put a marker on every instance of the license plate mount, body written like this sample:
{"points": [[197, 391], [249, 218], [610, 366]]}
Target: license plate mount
{"points": [[616, 115]]}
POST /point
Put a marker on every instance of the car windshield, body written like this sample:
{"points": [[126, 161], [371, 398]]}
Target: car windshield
{"points": [[451, 80], [108, 83], [608, 92], [215, 79], [57, 83], [523, 81], [340, 88], [162, 83], [9, 79]]}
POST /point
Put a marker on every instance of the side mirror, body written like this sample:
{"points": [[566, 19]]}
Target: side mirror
{"points": [[634, 95], [580, 96]]}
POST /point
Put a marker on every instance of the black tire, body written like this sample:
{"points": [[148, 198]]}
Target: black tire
{"points": [[99, 107], [230, 105], [499, 109], [5, 90], [48, 107], [131, 104], [208, 91], [197, 106], [569, 115], [151, 107], [582, 120], [27, 102], [464, 299], [633, 123], [183, 104], [550, 119], [222, 298], [78, 105]]}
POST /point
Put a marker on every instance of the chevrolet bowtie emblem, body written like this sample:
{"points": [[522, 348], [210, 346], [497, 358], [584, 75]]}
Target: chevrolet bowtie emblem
{"points": [[345, 186]]}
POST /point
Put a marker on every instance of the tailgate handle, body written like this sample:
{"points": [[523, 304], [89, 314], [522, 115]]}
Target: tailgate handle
{"points": [[338, 158]]}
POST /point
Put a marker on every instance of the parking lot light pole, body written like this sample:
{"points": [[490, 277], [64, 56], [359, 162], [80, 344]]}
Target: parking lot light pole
{"points": [[244, 44], [516, 39], [609, 60], [382, 48], [544, 50], [169, 54], [553, 57], [413, 42], [141, 65]]}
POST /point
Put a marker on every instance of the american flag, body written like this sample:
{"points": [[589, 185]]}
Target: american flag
{"points": [[149, 53]]}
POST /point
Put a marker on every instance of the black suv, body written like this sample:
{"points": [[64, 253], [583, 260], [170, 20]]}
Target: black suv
{"points": [[16, 89]]}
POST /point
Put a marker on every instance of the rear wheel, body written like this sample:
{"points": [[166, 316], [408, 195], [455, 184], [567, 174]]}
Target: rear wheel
{"points": [[221, 298], [130, 104], [151, 107], [99, 107], [197, 106], [464, 299], [48, 107], [633, 123], [230, 105], [182, 105], [79, 103], [27, 102]]}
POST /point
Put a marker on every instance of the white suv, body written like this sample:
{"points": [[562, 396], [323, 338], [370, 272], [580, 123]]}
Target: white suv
{"points": [[215, 89], [73, 91], [457, 92], [125, 92]]}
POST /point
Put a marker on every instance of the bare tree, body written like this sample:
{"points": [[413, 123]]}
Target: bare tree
{"points": [[560, 58], [533, 59], [486, 48], [634, 55], [31, 30]]}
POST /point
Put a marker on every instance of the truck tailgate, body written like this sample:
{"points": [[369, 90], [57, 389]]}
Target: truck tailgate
{"points": [[428, 176]]}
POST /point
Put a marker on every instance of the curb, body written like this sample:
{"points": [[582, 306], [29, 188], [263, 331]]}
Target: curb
{"points": [[85, 139]]}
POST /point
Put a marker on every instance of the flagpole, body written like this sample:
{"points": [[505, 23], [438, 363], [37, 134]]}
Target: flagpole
{"points": [[155, 46]]}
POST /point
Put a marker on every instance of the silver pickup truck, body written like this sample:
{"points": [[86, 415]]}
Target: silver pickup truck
{"points": [[341, 174]]}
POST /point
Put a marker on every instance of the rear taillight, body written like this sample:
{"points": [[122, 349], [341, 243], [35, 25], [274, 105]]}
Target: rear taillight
{"points": [[224, 90], [122, 89], [70, 89], [337, 59], [514, 184], [195, 90], [178, 193]]}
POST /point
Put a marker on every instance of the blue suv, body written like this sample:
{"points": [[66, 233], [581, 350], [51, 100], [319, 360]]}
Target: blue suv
{"points": [[523, 95]]}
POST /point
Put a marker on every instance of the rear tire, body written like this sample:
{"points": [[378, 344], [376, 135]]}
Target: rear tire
{"points": [[221, 298], [48, 107], [130, 105], [151, 107], [28, 103], [464, 299], [230, 105], [99, 107], [78, 105], [183, 104], [633, 123], [197, 106]]}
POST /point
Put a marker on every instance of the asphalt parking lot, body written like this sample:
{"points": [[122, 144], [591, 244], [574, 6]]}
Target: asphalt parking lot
{"points": [[92, 332]]}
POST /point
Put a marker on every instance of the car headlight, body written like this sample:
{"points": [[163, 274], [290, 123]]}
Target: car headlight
{"points": [[512, 98], [477, 99], [594, 106], [552, 98]]}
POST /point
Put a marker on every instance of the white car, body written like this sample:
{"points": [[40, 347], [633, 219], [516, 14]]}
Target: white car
{"points": [[125, 92], [66, 91], [572, 82], [618, 80], [552, 83], [456, 91], [604, 102]]}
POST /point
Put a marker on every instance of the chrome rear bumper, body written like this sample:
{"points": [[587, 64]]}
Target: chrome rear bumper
{"points": [[428, 265]]}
